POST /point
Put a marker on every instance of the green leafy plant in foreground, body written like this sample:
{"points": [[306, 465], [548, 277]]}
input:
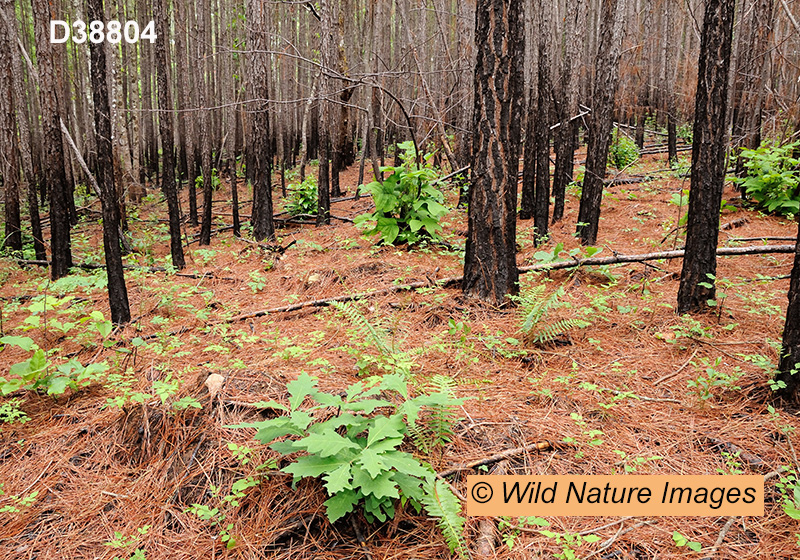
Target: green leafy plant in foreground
{"points": [[773, 179], [355, 452], [303, 197], [682, 541], [407, 206]]}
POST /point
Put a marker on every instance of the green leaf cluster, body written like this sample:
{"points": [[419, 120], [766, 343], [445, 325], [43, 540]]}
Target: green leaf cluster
{"points": [[39, 373], [303, 197], [356, 452], [772, 177], [534, 306], [623, 151], [407, 205]]}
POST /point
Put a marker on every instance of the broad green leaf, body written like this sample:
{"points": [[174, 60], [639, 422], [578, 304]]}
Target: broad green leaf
{"points": [[326, 444], [382, 486], [300, 388], [338, 480], [38, 361], [372, 462], [314, 466], [58, 385], [23, 342], [395, 382], [340, 504], [386, 427]]}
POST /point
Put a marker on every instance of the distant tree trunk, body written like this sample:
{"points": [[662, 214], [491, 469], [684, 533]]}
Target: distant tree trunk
{"points": [[234, 195], [527, 202], [789, 365], [260, 144], [541, 212], [204, 90], [323, 180], [605, 88], [567, 133], [117, 291], [708, 158], [9, 168], [490, 267], [167, 141], [55, 168], [32, 178]]}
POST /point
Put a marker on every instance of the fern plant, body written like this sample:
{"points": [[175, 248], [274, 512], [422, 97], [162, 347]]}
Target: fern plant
{"points": [[356, 452], [534, 306], [390, 358]]}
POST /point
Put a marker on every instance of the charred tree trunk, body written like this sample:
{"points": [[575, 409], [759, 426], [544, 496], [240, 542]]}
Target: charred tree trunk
{"points": [[323, 180], [204, 90], [55, 168], [490, 268], [9, 168], [605, 87], [117, 291], [260, 146], [708, 158], [527, 203], [167, 140], [541, 212], [790, 354]]}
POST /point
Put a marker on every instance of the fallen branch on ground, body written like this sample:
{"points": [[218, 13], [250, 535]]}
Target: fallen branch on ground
{"points": [[153, 269], [507, 454]]}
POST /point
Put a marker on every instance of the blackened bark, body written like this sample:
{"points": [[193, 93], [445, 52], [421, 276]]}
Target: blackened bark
{"points": [[260, 148], [53, 146], [708, 158], [605, 88], [323, 179], [672, 138], [790, 354], [490, 268], [541, 212], [9, 168], [167, 140], [205, 89], [117, 291]]}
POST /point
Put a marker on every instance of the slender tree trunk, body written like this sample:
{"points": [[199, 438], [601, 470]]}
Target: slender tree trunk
{"points": [[167, 141], [206, 119], [117, 291], [234, 196], [55, 168], [490, 268], [527, 203], [708, 158], [323, 181], [9, 168], [605, 88], [541, 212], [260, 142]]}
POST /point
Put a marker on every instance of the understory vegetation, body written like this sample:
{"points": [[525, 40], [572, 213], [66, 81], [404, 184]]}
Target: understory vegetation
{"points": [[242, 412]]}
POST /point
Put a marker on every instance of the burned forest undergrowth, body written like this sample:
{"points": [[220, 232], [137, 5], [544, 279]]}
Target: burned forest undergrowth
{"points": [[133, 444]]}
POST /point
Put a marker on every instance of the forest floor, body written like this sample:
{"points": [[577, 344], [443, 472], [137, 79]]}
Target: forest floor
{"points": [[90, 479]]}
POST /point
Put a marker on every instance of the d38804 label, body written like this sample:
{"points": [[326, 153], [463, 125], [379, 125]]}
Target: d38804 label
{"points": [[99, 31]]}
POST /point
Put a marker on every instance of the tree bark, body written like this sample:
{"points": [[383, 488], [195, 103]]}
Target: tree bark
{"points": [[167, 140], [260, 145], [708, 158], [790, 353], [605, 88], [117, 291], [490, 270], [9, 168], [541, 212], [55, 162]]}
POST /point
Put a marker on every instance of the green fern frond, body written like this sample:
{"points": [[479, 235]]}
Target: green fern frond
{"points": [[421, 438], [550, 332], [367, 330], [441, 503]]}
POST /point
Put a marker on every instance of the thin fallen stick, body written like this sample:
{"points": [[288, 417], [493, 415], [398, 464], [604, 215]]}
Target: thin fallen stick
{"points": [[677, 371], [507, 454], [152, 269], [721, 537], [727, 447]]}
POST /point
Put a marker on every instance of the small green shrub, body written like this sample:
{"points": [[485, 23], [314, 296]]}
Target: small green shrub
{"points": [[303, 197], [772, 177], [407, 206], [623, 151], [355, 451]]}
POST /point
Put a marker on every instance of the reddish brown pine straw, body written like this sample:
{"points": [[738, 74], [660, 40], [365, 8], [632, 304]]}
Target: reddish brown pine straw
{"points": [[101, 470]]}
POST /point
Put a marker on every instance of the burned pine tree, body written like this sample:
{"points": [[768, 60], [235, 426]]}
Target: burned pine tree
{"points": [[167, 139], [790, 353], [490, 267], [708, 158], [9, 169], [117, 291], [260, 148], [53, 147], [605, 88]]}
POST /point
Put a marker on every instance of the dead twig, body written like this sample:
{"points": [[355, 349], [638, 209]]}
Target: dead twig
{"points": [[538, 446]]}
